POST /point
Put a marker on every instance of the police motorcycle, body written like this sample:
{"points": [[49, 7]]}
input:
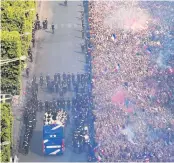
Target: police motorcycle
{"points": [[29, 112], [86, 137], [27, 137], [25, 147], [31, 120], [77, 142]]}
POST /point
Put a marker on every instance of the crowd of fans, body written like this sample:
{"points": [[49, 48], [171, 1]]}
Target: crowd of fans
{"points": [[133, 83]]}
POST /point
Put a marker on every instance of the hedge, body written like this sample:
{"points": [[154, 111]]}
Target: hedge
{"points": [[14, 18], [6, 132], [11, 72]]}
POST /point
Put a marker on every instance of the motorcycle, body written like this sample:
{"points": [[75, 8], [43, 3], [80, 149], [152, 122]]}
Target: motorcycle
{"points": [[77, 144], [25, 148]]}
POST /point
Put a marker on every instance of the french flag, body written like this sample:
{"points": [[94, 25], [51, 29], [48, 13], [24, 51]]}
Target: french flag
{"points": [[113, 37]]}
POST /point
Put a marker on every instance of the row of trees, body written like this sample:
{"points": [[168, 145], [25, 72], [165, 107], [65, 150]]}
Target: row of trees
{"points": [[6, 132], [17, 19]]}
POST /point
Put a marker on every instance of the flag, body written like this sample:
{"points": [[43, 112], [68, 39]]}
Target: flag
{"points": [[113, 37]]}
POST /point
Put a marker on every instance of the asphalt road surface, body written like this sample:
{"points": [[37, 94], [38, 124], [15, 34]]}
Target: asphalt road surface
{"points": [[58, 52]]}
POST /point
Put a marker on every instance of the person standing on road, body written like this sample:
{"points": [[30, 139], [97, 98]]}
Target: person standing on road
{"points": [[27, 72], [37, 16], [52, 26], [65, 2], [31, 57], [46, 23], [43, 24], [33, 42]]}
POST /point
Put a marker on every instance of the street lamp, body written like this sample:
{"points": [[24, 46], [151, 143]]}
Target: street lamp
{"points": [[22, 58]]}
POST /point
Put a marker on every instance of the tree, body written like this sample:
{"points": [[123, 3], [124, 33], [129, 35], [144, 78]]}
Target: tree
{"points": [[19, 16], [11, 72], [6, 132]]}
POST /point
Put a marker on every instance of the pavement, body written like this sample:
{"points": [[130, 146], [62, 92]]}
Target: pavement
{"points": [[58, 52]]}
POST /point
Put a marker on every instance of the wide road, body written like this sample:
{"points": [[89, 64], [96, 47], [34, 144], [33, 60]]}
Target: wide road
{"points": [[58, 52]]}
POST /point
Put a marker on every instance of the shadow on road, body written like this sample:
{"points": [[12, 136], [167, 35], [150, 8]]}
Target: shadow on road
{"points": [[79, 52], [38, 140], [48, 31], [61, 4], [78, 37]]}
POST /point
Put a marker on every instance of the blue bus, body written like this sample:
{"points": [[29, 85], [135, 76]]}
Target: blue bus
{"points": [[53, 139]]}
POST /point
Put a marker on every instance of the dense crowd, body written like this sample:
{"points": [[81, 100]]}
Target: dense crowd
{"points": [[132, 81]]}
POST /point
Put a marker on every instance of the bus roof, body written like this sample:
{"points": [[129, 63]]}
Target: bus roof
{"points": [[52, 129]]}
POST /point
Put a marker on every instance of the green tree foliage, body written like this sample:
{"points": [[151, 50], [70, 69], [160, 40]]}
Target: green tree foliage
{"points": [[19, 16], [11, 72], [17, 19], [6, 132]]}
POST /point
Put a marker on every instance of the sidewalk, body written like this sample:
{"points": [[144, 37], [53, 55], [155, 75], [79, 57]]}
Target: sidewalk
{"points": [[18, 108]]}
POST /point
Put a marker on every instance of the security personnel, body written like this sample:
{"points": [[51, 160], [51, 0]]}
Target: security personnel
{"points": [[27, 72]]}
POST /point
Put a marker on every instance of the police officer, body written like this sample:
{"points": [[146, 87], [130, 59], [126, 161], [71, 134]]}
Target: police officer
{"points": [[41, 80], [83, 46], [73, 78], [68, 104], [37, 87], [33, 42], [65, 2], [61, 92], [55, 77], [38, 25], [27, 72], [57, 87], [43, 24], [59, 77], [52, 27], [78, 78], [46, 104], [46, 23], [37, 16], [31, 57], [64, 76]]}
